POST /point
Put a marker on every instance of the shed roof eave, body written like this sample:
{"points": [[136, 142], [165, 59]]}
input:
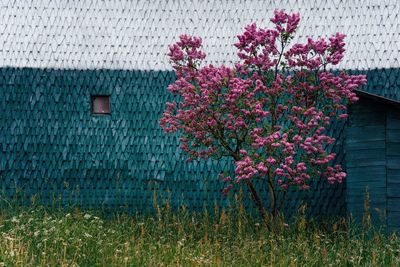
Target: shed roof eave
{"points": [[379, 98]]}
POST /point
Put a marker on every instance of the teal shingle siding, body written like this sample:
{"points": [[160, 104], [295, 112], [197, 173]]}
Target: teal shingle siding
{"points": [[53, 146], [382, 82]]}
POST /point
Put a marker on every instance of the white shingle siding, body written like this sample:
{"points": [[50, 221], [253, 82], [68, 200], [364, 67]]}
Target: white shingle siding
{"points": [[123, 34]]}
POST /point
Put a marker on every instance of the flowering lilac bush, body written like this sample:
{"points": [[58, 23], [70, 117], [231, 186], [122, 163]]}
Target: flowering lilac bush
{"points": [[269, 112]]}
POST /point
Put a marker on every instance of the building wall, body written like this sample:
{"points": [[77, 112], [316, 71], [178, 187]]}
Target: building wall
{"points": [[373, 162], [52, 146], [49, 142]]}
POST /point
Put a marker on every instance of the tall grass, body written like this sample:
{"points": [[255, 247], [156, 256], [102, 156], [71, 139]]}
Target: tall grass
{"points": [[53, 237]]}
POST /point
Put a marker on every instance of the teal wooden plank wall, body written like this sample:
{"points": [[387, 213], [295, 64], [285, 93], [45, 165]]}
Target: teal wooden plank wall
{"points": [[373, 161], [51, 145], [393, 168]]}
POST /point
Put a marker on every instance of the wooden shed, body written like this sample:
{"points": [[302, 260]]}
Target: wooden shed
{"points": [[373, 159]]}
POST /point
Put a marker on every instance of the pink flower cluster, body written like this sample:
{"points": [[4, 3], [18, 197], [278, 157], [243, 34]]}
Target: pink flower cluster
{"points": [[290, 20], [270, 112], [316, 54], [257, 46], [186, 54]]}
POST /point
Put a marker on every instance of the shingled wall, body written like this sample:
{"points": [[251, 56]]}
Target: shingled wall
{"points": [[382, 82], [55, 54], [53, 147]]}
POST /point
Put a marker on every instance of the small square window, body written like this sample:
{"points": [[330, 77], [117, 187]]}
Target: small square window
{"points": [[101, 104]]}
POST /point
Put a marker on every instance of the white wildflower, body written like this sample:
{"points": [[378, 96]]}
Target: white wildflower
{"points": [[87, 235], [181, 242]]}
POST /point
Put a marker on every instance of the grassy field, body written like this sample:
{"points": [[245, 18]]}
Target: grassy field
{"points": [[39, 237]]}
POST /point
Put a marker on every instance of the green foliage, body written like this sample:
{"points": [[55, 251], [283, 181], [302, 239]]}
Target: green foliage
{"points": [[40, 237]]}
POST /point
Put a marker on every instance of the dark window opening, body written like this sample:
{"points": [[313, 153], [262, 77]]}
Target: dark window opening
{"points": [[101, 104]]}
